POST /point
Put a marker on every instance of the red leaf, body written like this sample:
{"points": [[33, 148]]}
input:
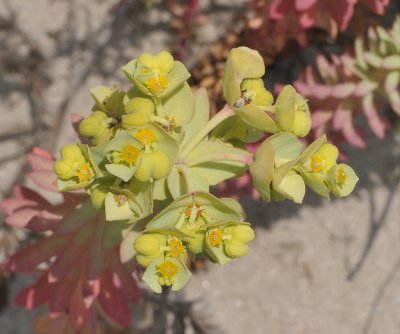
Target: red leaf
{"points": [[30, 257], [112, 301], [34, 295]]}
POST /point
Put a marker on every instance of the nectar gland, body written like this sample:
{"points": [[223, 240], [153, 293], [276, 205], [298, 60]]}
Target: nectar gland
{"points": [[146, 136], [156, 83], [84, 172], [341, 176], [317, 163], [215, 237], [168, 270], [129, 154], [176, 247]]}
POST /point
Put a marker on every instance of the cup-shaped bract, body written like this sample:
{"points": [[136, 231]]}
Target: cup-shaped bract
{"points": [[292, 112], [156, 75], [75, 169], [244, 89]]}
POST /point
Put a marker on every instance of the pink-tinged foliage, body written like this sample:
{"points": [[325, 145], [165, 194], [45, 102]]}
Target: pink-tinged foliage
{"points": [[339, 99], [77, 261], [269, 34], [322, 13]]}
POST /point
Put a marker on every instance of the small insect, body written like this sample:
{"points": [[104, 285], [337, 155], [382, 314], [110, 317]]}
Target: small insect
{"points": [[243, 100], [120, 199]]}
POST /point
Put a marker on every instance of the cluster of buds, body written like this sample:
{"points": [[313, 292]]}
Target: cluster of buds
{"points": [[138, 184], [348, 86]]}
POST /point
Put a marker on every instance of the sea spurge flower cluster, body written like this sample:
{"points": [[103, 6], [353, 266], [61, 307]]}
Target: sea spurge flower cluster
{"points": [[140, 179]]}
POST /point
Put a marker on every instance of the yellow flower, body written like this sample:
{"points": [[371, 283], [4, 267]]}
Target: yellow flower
{"points": [[167, 270], [85, 172], [146, 136], [156, 83], [215, 236], [324, 159], [176, 247], [129, 154]]}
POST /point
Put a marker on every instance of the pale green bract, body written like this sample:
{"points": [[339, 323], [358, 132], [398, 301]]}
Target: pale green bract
{"points": [[154, 154]]}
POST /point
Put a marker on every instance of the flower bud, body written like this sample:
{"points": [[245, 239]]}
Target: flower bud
{"points": [[240, 233], [144, 171], [162, 61], [160, 164], [94, 126], [152, 165], [235, 249], [64, 170], [323, 159], [72, 154], [148, 247], [139, 111], [98, 196], [195, 244], [260, 96], [292, 112]]}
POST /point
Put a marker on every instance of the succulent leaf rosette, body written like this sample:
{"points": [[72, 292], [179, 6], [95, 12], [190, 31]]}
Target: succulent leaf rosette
{"points": [[137, 189]]}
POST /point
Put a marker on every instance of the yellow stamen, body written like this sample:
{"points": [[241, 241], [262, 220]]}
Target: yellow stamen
{"points": [[215, 237], [145, 136], [176, 247], [171, 123], [341, 176], [193, 208], [156, 83], [84, 172], [317, 163], [129, 154], [168, 270]]}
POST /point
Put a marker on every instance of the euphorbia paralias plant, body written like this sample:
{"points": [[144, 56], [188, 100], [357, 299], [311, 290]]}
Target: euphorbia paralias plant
{"points": [[136, 189]]}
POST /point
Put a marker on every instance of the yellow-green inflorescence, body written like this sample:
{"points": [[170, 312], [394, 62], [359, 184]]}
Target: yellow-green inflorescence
{"points": [[149, 156]]}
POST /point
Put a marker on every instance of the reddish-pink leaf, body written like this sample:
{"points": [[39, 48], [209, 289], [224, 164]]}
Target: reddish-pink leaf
{"points": [[97, 258], [75, 250], [40, 162], [44, 179], [29, 257], [61, 291], [112, 301], [34, 295]]}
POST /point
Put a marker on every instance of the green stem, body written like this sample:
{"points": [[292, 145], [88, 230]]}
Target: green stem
{"points": [[159, 107], [246, 159], [222, 115], [187, 174]]}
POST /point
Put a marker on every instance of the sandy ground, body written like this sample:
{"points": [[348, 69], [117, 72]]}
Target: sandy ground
{"points": [[325, 267]]}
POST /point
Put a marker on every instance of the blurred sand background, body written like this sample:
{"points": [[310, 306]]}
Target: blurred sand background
{"points": [[322, 268]]}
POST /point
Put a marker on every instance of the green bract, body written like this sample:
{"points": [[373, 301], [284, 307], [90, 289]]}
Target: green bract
{"points": [[155, 153]]}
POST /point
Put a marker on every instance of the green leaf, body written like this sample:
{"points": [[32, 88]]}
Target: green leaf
{"points": [[207, 159], [391, 62]]}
